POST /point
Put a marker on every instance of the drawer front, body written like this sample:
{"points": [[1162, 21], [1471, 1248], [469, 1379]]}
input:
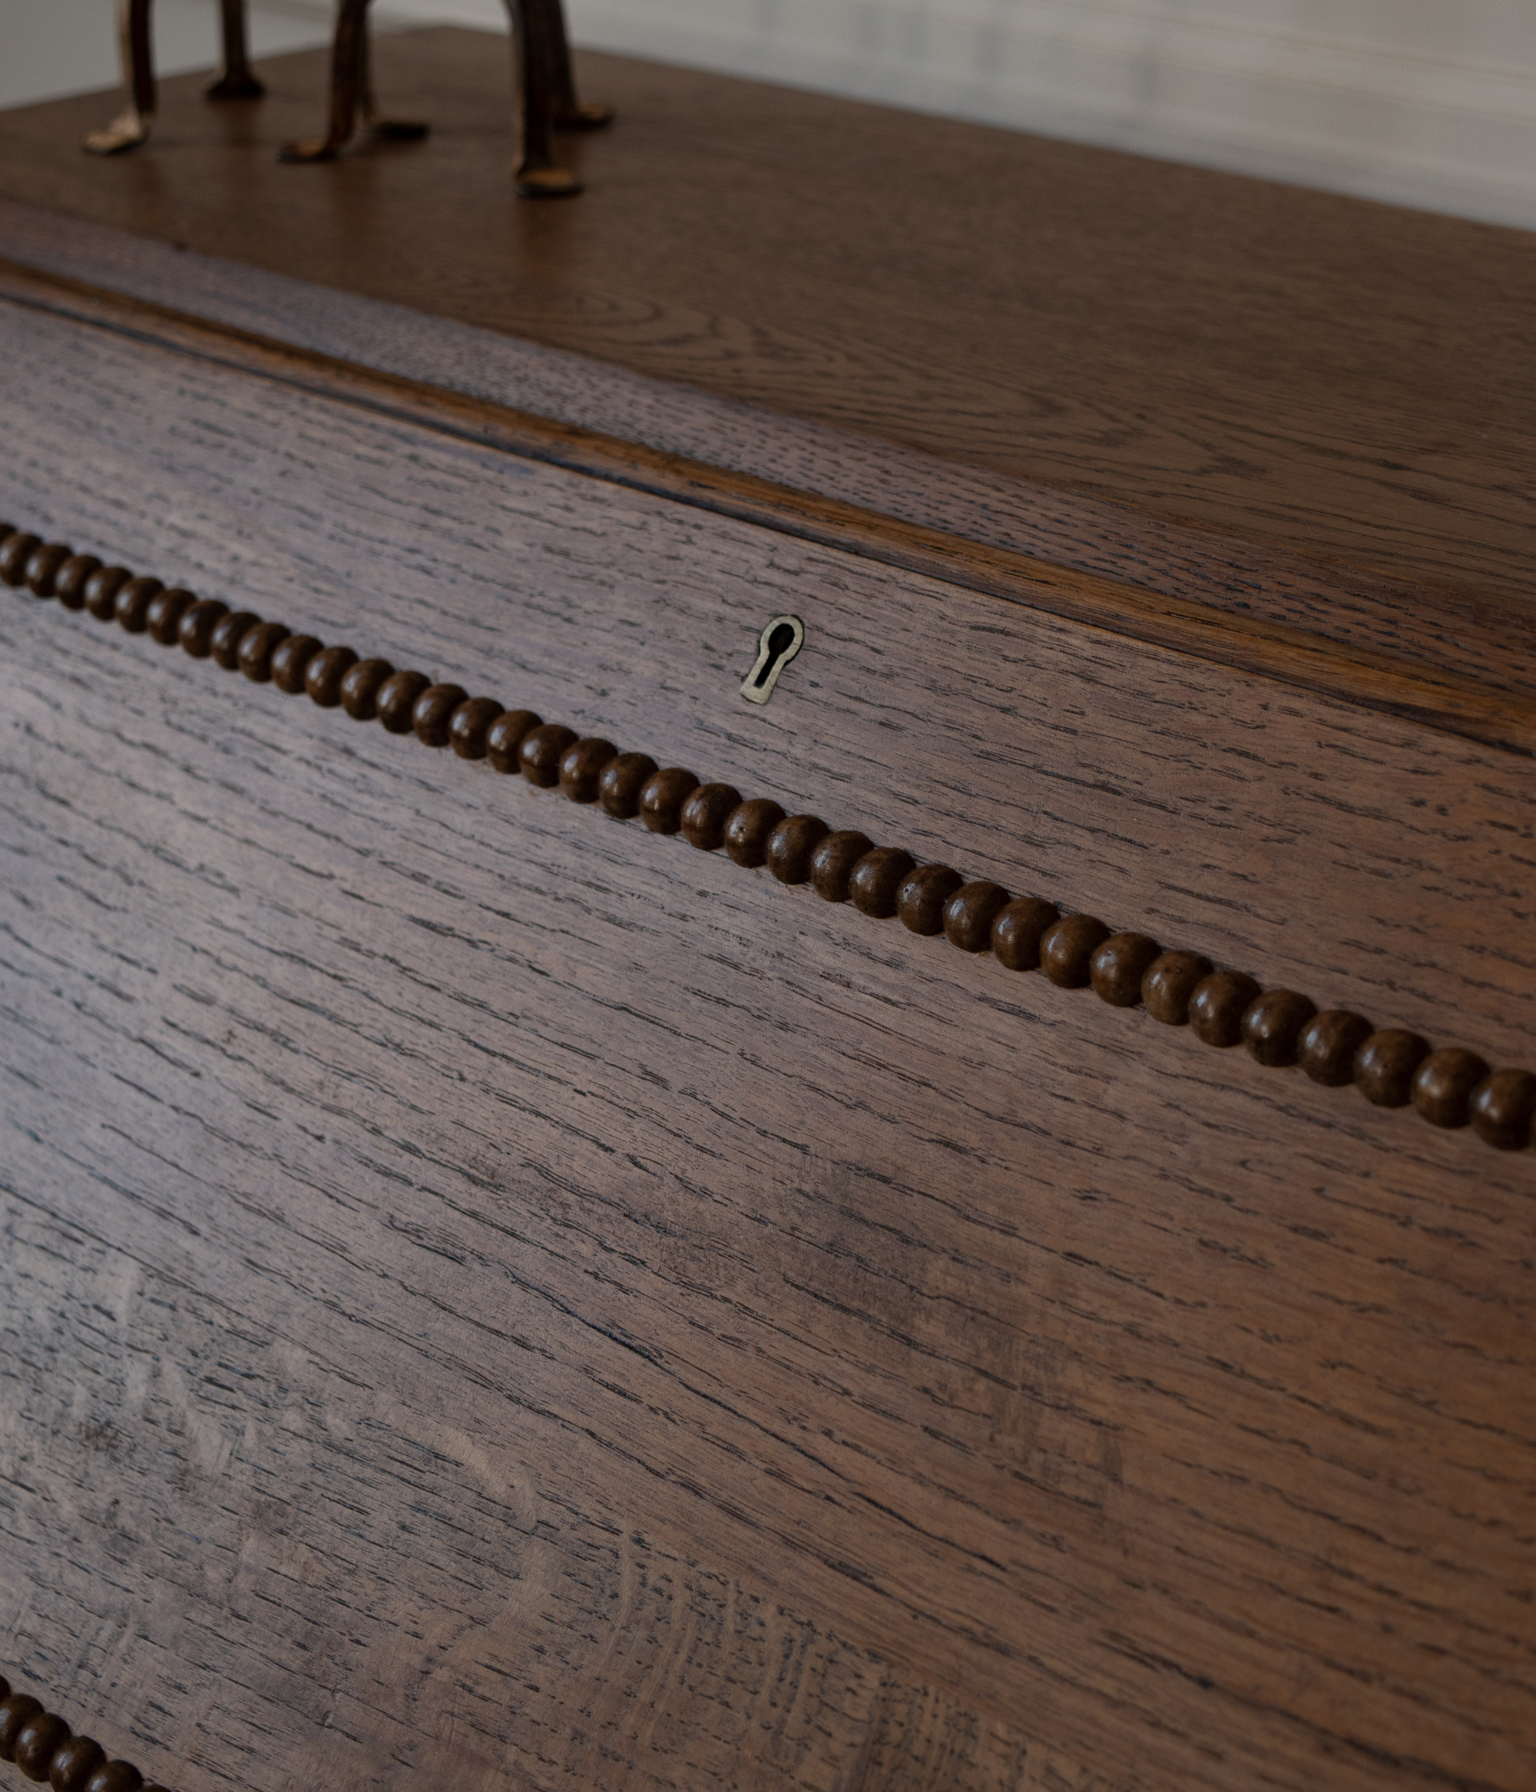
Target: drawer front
{"points": [[498, 1293]]}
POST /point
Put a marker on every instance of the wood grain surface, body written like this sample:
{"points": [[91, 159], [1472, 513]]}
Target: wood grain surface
{"points": [[336, 340], [1304, 370], [1466, 675], [496, 1297]]}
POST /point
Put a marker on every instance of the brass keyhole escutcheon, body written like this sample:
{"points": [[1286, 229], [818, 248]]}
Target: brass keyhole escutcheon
{"points": [[778, 644]]}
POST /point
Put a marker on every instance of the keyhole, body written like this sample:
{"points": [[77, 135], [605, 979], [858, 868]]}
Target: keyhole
{"points": [[778, 644]]}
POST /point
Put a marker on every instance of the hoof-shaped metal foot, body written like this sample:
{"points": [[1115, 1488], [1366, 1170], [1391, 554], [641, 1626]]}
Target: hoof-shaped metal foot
{"points": [[235, 87], [398, 130], [127, 131], [584, 118], [316, 149], [547, 183]]}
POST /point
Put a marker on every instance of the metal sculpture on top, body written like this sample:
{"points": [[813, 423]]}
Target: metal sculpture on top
{"points": [[137, 118], [546, 90]]}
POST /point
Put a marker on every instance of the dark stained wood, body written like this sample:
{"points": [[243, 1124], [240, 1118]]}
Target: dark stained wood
{"points": [[1116, 970], [384, 1323], [832, 862], [1067, 947], [1301, 369], [1168, 985], [1424, 676], [1018, 930], [493, 1295], [747, 829], [1330, 1044]]}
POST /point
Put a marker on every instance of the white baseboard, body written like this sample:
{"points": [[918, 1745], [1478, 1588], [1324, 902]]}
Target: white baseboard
{"points": [[1424, 106]]}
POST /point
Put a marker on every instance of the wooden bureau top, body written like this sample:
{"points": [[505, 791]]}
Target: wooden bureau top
{"points": [[1303, 370]]}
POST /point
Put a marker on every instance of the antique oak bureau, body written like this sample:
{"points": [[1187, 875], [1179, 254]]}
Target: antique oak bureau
{"points": [[966, 1226]]}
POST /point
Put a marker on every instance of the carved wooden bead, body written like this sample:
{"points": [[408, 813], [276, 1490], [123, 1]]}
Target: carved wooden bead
{"points": [[257, 646], [40, 1737], [833, 860], [133, 601], [70, 581], [1443, 1085], [1067, 948], [662, 796], [581, 765], [790, 845], [224, 642], [1119, 966], [395, 700], [162, 620], [43, 567], [324, 673], [704, 814], [15, 551], [747, 828], [360, 687], [504, 741], [1329, 1045], [1503, 1107], [1017, 930], [432, 712], [1217, 1006], [1385, 1064], [115, 1776], [1169, 983], [17, 1709], [876, 878], [620, 782], [290, 662], [74, 1763], [469, 728], [195, 630], [541, 752], [970, 912], [1272, 1024], [101, 590], [921, 895]]}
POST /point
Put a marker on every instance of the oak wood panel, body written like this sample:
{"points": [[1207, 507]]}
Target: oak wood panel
{"points": [[553, 1281], [1477, 636], [1240, 818], [1307, 370], [1477, 684], [262, 317]]}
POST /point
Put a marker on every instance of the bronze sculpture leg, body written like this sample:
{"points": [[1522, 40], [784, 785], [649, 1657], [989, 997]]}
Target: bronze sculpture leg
{"points": [[237, 82], [548, 98], [567, 112], [137, 118], [134, 123], [351, 93]]}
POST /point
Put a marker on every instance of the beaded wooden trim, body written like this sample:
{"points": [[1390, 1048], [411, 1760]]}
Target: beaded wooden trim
{"points": [[1391, 1066], [44, 1747]]}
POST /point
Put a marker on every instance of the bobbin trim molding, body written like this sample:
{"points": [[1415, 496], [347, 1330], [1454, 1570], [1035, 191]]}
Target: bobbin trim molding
{"points": [[1391, 1067], [44, 1747]]}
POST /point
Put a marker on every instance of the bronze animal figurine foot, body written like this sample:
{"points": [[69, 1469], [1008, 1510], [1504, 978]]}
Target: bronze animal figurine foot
{"points": [[134, 123], [548, 95]]}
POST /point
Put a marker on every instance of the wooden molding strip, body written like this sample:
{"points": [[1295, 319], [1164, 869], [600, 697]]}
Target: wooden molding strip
{"points": [[44, 1747], [1444, 700], [1392, 1067]]}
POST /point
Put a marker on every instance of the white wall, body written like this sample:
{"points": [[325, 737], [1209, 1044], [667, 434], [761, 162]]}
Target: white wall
{"points": [[1428, 102]]}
